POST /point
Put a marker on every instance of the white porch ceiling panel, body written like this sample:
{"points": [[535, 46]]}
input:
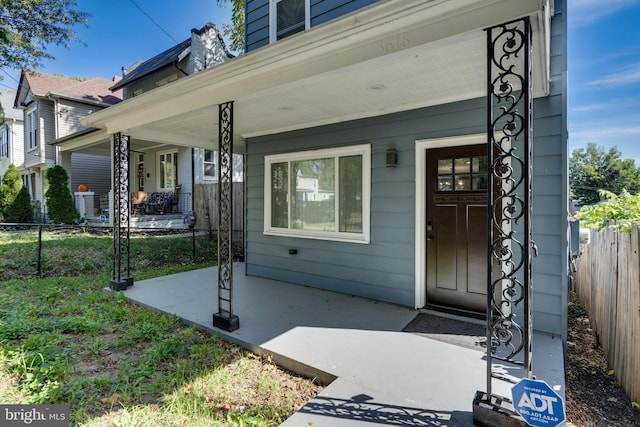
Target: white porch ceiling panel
{"points": [[396, 55]]}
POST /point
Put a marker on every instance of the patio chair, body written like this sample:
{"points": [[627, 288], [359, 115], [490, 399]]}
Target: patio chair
{"points": [[138, 202], [151, 206], [174, 202]]}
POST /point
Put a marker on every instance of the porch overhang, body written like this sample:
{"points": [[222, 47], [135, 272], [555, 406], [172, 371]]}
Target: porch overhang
{"points": [[396, 55], [88, 140]]}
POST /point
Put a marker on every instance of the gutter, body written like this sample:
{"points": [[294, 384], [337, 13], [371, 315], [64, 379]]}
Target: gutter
{"points": [[49, 95]]}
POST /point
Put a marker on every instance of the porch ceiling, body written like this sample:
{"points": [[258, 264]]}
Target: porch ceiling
{"points": [[394, 56]]}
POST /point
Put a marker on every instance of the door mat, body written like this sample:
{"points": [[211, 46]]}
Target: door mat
{"points": [[456, 332]]}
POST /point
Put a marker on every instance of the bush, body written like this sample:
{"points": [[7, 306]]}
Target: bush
{"points": [[20, 210], [618, 212], [9, 189], [60, 205]]}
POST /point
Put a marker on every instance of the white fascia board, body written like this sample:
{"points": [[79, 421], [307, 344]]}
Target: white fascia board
{"points": [[98, 136], [171, 139], [76, 99], [349, 40]]}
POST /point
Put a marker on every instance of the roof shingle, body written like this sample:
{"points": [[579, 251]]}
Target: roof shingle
{"points": [[94, 89]]}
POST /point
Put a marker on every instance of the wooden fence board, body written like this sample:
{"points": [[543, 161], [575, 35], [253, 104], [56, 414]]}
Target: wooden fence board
{"points": [[206, 206], [608, 286]]}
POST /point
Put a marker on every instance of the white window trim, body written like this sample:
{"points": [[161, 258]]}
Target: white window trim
{"points": [[206, 177], [4, 142], [273, 30], [421, 147], [365, 237], [159, 177], [32, 112]]}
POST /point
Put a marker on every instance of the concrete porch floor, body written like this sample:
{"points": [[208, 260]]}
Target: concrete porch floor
{"points": [[381, 376]]}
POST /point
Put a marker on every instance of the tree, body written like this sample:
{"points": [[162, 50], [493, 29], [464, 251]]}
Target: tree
{"points": [[619, 212], [9, 189], [60, 205], [235, 30], [593, 168], [20, 210], [28, 26]]}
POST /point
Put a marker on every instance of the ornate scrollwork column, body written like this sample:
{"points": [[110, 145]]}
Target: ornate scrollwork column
{"points": [[511, 246], [121, 247], [224, 318]]}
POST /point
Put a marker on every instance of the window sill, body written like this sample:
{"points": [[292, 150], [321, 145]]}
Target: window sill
{"points": [[334, 237]]}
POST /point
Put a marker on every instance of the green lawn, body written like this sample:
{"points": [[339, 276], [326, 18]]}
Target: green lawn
{"points": [[63, 339]]}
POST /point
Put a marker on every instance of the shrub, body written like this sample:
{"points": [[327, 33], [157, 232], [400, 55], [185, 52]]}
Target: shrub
{"points": [[60, 205], [20, 210], [618, 212], [9, 189]]}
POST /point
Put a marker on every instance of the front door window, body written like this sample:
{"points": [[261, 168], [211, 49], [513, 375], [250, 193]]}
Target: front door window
{"points": [[457, 227]]}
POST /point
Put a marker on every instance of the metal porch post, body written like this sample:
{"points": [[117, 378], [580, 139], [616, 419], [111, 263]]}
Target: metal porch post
{"points": [[511, 246], [224, 318], [121, 259]]}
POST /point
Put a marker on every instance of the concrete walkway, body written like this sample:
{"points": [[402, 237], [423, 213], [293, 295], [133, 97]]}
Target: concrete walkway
{"points": [[379, 375]]}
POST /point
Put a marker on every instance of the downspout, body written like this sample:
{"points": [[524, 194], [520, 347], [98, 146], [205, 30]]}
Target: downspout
{"points": [[175, 64], [193, 181]]}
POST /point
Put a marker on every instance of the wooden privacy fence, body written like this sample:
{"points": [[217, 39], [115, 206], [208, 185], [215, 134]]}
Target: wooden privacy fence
{"points": [[608, 285], [206, 206]]}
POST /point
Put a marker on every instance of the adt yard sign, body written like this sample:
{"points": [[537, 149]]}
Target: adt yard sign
{"points": [[538, 403]]}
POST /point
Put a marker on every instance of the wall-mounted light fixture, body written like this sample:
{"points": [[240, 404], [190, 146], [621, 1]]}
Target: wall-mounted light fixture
{"points": [[392, 157]]}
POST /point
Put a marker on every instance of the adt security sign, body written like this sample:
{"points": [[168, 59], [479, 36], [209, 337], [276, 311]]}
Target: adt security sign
{"points": [[103, 218], [538, 403]]}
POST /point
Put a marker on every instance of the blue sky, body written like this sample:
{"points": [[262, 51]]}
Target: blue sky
{"points": [[604, 74], [604, 57], [119, 34]]}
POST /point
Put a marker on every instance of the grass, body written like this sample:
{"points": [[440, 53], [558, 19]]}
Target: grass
{"points": [[64, 340], [68, 252]]}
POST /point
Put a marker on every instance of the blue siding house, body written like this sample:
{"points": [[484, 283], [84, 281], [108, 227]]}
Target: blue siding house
{"points": [[367, 131]]}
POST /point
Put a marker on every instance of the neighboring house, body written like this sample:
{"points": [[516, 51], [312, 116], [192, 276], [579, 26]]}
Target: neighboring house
{"points": [[157, 162], [11, 134], [52, 107], [380, 107]]}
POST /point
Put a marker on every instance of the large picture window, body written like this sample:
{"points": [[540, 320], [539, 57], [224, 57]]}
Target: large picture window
{"points": [[288, 17], [321, 194]]}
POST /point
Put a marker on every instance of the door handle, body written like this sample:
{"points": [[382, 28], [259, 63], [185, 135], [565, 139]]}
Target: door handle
{"points": [[429, 237]]}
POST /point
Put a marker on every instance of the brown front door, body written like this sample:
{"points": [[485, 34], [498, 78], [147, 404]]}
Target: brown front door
{"points": [[457, 227]]}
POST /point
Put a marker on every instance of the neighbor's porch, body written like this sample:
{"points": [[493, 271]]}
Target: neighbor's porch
{"points": [[377, 373]]}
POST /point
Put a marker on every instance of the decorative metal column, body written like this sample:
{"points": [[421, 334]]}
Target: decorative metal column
{"points": [[224, 318], [511, 246], [121, 253]]}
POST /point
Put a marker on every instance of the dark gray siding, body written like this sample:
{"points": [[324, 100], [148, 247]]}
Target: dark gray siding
{"points": [[383, 269], [93, 170], [326, 10], [256, 24], [257, 17]]}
